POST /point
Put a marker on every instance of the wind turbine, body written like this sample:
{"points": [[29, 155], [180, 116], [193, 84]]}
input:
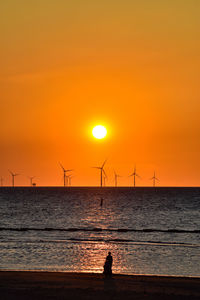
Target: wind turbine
{"points": [[104, 179], [116, 176], [134, 174], [64, 173], [154, 179], [31, 180], [102, 171], [13, 177], [69, 177]]}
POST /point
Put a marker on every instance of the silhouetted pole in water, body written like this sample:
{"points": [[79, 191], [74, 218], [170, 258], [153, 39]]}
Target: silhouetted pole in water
{"points": [[64, 173], [154, 178], [13, 177], [101, 204], [134, 174], [102, 171]]}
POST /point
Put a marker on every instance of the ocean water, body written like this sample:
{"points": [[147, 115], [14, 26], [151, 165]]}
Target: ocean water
{"points": [[148, 230]]}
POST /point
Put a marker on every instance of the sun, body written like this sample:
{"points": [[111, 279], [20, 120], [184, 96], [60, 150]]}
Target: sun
{"points": [[99, 132]]}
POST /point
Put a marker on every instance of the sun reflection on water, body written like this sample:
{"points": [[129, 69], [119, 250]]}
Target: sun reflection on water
{"points": [[92, 254], [90, 257]]}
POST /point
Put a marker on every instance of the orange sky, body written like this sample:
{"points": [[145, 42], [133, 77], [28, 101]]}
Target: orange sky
{"points": [[133, 66]]}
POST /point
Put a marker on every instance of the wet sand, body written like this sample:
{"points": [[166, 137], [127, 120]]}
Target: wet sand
{"points": [[54, 285]]}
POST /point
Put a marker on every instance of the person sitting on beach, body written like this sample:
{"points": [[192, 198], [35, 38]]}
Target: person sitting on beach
{"points": [[108, 265]]}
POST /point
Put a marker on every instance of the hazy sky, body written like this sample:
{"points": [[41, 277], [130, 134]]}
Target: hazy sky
{"points": [[133, 66]]}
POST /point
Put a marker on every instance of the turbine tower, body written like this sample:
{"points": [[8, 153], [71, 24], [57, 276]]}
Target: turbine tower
{"points": [[69, 178], [134, 174], [102, 171], [104, 179], [64, 173], [154, 178], [31, 180], [116, 176], [13, 177]]}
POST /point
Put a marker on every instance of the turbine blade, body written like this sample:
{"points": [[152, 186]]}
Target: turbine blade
{"points": [[104, 173], [62, 167], [10, 172], [104, 163]]}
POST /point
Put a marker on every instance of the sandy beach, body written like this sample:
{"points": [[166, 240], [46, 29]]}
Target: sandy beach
{"points": [[55, 285]]}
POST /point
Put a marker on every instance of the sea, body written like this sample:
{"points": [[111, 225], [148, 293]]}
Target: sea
{"points": [[71, 229]]}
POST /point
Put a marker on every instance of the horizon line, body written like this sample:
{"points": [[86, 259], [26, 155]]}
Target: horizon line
{"points": [[97, 186]]}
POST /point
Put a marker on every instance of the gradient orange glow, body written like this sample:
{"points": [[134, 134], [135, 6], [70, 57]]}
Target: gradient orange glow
{"points": [[131, 65]]}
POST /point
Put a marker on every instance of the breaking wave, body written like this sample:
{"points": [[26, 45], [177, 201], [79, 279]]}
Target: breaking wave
{"points": [[98, 229]]}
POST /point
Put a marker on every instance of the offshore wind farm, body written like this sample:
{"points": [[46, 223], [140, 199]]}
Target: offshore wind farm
{"points": [[68, 175]]}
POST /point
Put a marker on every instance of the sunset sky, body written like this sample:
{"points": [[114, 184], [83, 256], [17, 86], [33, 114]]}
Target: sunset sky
{"points": [[132, 66]]}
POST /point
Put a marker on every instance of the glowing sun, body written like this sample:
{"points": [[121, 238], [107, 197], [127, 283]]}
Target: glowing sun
{"points": [[99, 132]]}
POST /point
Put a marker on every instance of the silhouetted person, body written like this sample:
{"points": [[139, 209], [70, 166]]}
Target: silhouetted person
{"points": [[108, 265]]}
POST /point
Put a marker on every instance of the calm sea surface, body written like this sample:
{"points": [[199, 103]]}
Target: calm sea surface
{"points": [[148, 230]]}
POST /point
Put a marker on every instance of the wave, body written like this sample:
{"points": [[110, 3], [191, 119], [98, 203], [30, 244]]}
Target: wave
{"points": [[121, 230], [156, 243], [105, 240]]}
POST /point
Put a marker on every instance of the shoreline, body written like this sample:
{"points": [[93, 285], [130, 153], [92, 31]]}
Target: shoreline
{"points": [[69, 285], [100, 273]]}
